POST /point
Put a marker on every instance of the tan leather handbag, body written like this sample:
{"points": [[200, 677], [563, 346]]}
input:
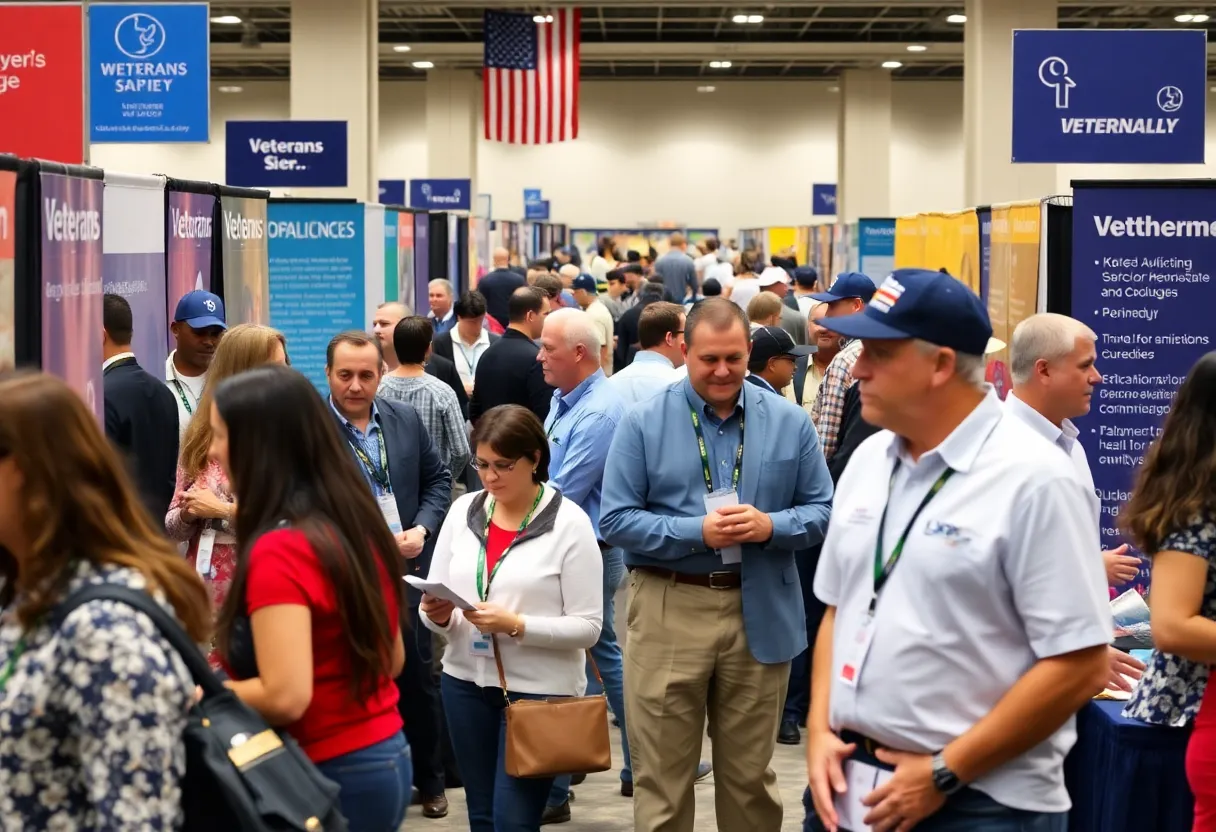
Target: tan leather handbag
{"points": [[563, 735]]}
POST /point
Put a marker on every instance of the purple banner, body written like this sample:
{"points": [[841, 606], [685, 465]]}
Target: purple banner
{"points": [[71, 283], [422, 263], [191, 221], [246, 261]]}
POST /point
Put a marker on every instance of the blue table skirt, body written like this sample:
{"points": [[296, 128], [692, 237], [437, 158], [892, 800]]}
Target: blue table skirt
{"points": [[1126, 776]]}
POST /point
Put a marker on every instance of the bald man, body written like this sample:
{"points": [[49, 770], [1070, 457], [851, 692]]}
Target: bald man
{"points": [[498, 285]]}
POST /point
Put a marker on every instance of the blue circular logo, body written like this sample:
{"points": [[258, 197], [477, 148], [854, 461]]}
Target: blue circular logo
{"points": [[139, 36]]}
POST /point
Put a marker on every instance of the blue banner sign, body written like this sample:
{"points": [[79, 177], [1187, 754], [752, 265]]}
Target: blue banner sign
{"points": [[876, 248], [532, 195], [984, 215], [149, 72], [823, 200], [536, 210], [1134, 96], [317, 280], [1142, 279], [286, 154], [441, 194], [392, 191]]}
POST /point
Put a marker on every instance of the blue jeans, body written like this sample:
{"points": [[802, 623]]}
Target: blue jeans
{"points": [[375, 783], [497, 802], [607, 655], [967, 811]]}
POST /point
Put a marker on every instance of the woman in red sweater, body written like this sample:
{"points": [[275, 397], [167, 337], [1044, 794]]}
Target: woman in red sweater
{"points": [[311, 627]]}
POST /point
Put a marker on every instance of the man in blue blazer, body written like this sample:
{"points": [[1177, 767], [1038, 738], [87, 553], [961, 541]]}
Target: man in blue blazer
{"points": [[402, 466], [710, 488]]}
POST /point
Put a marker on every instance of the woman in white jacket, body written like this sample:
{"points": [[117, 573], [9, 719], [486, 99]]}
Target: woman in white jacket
{"points": [[529, 561]]}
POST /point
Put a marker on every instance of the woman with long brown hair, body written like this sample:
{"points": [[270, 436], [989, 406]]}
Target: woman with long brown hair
{"points": [[94, 706], [1172, 518], [311, 627], [202, 511]]}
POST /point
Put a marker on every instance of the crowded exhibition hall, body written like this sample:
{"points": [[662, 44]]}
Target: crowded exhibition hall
{"points": [[654, 415]]}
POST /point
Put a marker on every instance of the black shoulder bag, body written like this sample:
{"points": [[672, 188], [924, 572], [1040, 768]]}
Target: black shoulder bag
{"points": [[241, 774]]}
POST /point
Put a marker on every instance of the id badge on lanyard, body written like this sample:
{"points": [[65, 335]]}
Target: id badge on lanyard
{"points": [[388, 507], [202, 560], [861, 779]]}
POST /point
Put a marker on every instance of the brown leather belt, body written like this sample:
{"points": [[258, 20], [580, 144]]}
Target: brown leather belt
{"points": [[714, 580]]}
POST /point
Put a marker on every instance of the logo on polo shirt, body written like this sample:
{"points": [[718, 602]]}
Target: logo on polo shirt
{"points": [[954, 536], [887, 295]]}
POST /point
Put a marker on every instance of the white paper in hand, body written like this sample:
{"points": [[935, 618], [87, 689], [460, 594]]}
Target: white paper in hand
{"points": [[439, 590]]}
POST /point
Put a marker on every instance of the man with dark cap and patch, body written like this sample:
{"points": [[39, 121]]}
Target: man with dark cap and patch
{"points": [[773, 358], [806, 281]]}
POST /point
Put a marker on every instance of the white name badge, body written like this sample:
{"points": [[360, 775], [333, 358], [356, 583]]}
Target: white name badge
{"points": [[202, 560], [854, 652], [722, 498], [862, 779], [388, 507], [481, 646]]}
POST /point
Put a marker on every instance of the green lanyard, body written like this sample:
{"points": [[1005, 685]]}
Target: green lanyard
{"points": [[11, 664], [380, 475], [181, 394], [883, 571], [483, 590], [709, 477]]}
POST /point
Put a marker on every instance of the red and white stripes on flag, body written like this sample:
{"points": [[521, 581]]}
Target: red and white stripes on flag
{"points": [[532, 105]]}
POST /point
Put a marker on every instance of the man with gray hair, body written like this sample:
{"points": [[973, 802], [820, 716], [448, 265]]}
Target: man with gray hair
{"points": [[441, 316], [1054, 366], [581, 422], [967, 619]]}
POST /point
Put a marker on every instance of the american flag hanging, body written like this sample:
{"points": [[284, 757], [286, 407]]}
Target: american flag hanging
{"points": [[530, 80]]}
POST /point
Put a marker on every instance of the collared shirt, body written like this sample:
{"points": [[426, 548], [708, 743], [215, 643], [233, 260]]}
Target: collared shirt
{"points": [[580, 428], [829, 404], [997, 574], [443, 324], [368, 442], [439, 410], [810, 388], [1063, 437], [111, 361], [761, 382], [647, 375], [467, 355]]}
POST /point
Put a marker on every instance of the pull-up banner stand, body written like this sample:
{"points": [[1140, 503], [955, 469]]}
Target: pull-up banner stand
{"points": [[8, 264], [1143, 258]]}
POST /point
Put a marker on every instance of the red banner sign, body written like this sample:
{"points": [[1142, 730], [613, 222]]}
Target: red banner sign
{"points": [[42, 81]]}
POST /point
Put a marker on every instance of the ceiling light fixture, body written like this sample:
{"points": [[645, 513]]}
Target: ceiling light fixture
{"points": [[719, 64], [226, 19], [542, 18], [891, 64], [748, 18], [1200, 18], [956, 18], [706, 89], [401, 47], [231, 89], [833, 89], [916, 47], [1183, 18], [424, 65]]}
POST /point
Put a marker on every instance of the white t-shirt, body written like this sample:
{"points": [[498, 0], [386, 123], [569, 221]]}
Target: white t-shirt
{"points": [[724, 273], [187, 391], [744, 290]]}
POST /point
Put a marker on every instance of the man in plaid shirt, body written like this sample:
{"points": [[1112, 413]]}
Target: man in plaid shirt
{"points": [[849, 294]]}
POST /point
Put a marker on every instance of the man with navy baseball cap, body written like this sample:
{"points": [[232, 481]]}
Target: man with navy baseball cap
{"points": [[847, 296], [985, 541], [198, 324]]}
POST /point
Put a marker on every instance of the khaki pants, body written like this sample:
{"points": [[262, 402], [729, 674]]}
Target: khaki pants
{"points": [[687, 655]]}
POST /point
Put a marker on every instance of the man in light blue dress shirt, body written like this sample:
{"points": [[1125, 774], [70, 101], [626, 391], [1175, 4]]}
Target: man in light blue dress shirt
{"points": [[580, 425], [653, 369], [711, 487]]}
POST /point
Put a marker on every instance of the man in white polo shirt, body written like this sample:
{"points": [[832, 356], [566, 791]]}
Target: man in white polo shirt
{"points": [[967, 619], [1053, 360]]}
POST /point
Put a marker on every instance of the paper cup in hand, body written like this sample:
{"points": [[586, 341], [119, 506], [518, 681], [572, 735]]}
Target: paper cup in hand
{"points": [[1129, 610]]}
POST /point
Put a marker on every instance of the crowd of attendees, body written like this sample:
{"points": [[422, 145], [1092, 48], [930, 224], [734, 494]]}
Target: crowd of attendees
{"points": [[822, 518]]}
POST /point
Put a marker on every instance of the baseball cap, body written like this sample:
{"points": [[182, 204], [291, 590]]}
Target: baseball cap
{"points": [[848, 285], [199, 310], [586, 282], [806, 276], [772, 342], [918, 303], [773, 275]]}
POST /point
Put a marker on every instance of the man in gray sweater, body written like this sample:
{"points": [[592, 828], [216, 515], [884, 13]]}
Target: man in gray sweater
{"points": [[677, 270]]}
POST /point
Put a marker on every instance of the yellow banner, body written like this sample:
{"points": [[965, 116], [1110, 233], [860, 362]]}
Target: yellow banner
{"points": [[1013, 279], [782, 241], [909, 242]]}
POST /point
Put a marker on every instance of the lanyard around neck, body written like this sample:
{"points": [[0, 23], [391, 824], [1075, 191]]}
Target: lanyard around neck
{"points": [[483, 580], [11, 665], [705, 469], [882, 571], [181, 391], [380, 475]]}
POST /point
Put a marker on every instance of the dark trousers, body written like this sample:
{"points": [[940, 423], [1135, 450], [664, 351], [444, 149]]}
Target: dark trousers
{"points": [[497, 802], [418, 704], [798, 698], [967, 811]]}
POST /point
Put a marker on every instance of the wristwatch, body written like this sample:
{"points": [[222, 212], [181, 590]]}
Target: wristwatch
{"points": [[425, 533], [944, 780]]}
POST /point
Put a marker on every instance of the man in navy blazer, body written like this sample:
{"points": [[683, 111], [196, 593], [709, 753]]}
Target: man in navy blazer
{"points": [[414, 493], [710, 488]]}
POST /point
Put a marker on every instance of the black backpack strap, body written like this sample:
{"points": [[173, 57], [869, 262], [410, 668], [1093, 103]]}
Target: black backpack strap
{"points": [[165, 623]]}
